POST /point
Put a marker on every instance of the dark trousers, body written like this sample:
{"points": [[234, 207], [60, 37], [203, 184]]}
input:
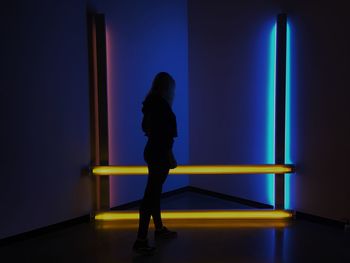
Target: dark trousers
{"points": [[150, 205]]}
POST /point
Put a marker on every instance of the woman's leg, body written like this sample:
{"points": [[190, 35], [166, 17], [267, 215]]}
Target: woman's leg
{"points": [[146, 209], [162, 174], [151, 200]]}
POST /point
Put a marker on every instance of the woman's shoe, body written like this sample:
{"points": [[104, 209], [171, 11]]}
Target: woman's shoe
{"points": [[164, 233], [142, 247]]}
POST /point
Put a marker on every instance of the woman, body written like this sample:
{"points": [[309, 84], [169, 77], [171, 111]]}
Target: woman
{"points": [[159, 125]]}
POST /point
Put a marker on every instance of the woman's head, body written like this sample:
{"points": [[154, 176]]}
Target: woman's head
{"points": [[164, 85]]}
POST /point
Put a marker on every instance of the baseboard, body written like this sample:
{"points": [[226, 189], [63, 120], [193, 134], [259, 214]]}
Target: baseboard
{"points": [[320, 220], [235, 199], [44, 230]]}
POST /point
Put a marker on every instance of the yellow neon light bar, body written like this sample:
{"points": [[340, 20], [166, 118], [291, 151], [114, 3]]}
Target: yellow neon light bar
{"points": [[197, 169], [200, 214], [193, 223]]}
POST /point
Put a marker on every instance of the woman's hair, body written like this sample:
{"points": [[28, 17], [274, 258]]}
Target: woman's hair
{"points": [[163, 85]]}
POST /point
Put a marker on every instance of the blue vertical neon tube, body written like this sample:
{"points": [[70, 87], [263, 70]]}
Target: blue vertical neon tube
{"points": [[288, 119], [271, 115]]}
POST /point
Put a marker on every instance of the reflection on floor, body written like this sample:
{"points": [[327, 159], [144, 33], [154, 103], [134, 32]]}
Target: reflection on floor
{"points": [[198, 240]]}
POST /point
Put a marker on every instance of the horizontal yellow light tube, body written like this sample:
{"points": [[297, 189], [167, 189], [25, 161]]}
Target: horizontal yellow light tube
{"points": [[197, 169], [197, 223], [200, 214]]}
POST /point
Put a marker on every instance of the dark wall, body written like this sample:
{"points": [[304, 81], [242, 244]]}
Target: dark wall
{"points": [[321, 44], [44, 114]]}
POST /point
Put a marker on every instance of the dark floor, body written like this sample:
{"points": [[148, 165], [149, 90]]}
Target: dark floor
{"points": [[198, 241]]}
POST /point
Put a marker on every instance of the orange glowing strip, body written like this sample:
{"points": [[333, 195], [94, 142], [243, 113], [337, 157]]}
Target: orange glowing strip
{"points": [[200, 214], [197, 169]]}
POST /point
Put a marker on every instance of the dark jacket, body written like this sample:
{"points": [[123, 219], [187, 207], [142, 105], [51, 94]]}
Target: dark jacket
{"points": [[159, 125]]}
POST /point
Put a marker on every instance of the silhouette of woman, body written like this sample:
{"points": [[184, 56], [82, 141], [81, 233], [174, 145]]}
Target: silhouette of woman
{"points": [[159, 125]]}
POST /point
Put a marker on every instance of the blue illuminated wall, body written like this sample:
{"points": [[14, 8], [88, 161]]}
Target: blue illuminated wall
{"points": [[143, 38], [240, 133]]}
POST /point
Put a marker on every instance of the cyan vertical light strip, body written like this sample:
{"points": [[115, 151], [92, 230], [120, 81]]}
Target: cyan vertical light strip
{"points": [[288, 120], [271, 115]]}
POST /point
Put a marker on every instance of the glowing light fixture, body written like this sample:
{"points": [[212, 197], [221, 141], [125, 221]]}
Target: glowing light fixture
{"points": [[287, 153], [282, 105], [196, 223], [195, 169], [271, 114], [200, 214]]}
